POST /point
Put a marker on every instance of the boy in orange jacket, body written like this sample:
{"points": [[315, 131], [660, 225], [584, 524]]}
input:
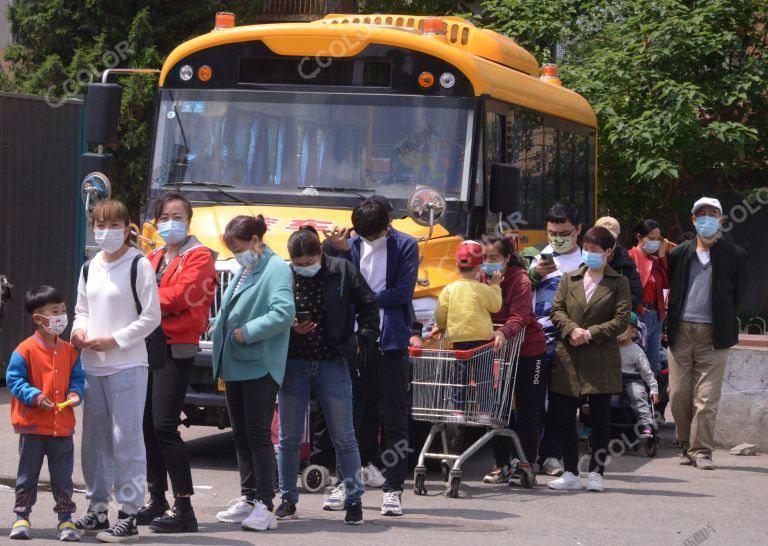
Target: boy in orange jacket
{"points": [[46, 380]]}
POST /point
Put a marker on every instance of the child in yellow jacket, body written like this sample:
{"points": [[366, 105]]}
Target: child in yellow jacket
{"points": [[464, 313]]}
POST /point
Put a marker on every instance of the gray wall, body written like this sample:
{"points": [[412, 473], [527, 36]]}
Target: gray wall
{"points": [[41, 216]]}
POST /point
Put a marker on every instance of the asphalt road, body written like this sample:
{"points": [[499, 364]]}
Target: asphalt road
{"points": [[647, 501]]}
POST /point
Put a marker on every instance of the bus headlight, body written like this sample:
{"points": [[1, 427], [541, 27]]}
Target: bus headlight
{"points": [[186, 72], [447, 80], [424, 309]]}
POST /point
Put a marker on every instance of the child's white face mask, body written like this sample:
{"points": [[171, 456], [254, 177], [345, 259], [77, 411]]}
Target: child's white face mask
{"points": [[56, 324]]}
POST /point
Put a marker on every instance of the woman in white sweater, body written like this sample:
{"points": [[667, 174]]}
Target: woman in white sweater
{"points": [[111, 324]]}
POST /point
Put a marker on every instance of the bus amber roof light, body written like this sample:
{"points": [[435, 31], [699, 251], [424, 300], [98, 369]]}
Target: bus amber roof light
{"points": [[426, 80], [434, 25], [224, 20], [549, 74], [204, 73]]}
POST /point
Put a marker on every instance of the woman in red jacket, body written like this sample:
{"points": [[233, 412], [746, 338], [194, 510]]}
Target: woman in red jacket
{"points": [[650, 255], [187, 283], [517, 313]]}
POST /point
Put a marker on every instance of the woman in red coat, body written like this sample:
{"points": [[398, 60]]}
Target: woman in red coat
{"points": [[650, 256], [187, 283], [517, 313]]}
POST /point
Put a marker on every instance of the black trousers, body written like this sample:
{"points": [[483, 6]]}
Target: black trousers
{"points": [[549, 444], [530, 390], [251, 406], [166, 452], [60, 451], [379, 391], [563, 409]]}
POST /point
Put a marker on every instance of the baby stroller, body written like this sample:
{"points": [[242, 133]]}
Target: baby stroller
{"points": [[625, 427], [314, 477]]}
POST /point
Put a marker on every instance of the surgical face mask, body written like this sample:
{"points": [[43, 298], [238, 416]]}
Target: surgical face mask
{"points": [[592, 260], [489, 268], [173, 232], [56, 324], [109, 240], [706, 226], [308, 270], [560, 243], [246, 259], [651, 246]]}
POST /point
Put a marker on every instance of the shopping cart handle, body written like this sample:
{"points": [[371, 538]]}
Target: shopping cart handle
{"points": [[415, 351]]}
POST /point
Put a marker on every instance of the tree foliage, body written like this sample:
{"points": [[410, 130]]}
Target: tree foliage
{"points": [[678, 87]]}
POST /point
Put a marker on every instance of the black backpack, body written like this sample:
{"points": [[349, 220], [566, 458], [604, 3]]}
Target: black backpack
{"points": [[157, 349]]}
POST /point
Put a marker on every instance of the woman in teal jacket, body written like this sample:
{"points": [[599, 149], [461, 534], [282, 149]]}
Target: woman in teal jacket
{"points": [[250, 347]]}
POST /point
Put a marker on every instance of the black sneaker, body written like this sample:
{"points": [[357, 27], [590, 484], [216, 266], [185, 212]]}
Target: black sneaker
{"points": [[93, 522], [354, 515], [286, 510], [177, 520], [150, 511], [125, 530]]}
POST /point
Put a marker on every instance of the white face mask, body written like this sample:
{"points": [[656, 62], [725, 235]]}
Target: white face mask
{"points": [[246, 259], [56, 324], [109, 240]]}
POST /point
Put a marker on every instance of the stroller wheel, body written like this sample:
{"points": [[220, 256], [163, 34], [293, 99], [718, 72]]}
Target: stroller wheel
{"points": [[418, 484], [445, 470], [651, 447], [314, 478]]}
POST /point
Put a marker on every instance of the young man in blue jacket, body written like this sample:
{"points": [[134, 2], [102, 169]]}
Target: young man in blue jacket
{"points": [[388, 260]]}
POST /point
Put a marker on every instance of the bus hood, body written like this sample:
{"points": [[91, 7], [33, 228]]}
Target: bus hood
{"points": [[208, 224]]}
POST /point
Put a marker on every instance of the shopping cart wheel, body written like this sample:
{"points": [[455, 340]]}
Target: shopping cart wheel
{"points": [[445, 470], [527, 481], [418, 484], [651, 447], [314, 478], [453, 488]]}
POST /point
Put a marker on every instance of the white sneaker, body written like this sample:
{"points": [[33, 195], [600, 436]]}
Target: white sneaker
{"points": [[566, 482], [372, 476], [237, 510], [336, 500], [260, 519], [552, 467], [595, 481], [391, 504]]}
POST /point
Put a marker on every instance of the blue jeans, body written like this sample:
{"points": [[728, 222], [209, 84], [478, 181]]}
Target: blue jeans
{"points": [[653, 341], [330, 381]]}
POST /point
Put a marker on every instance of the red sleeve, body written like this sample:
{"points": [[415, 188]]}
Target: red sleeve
{"points": [[518, 297], [193, 285], [663, 269]]}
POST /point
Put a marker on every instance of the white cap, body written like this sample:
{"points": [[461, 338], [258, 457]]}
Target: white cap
{"points": [[704, 201]]}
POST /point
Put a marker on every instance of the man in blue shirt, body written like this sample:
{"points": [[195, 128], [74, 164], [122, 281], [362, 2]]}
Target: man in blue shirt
{"points": [[388, 260]]}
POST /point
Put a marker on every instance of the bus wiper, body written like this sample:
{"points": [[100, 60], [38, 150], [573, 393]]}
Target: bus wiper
{"points": [[338, 189], [213, 185]]}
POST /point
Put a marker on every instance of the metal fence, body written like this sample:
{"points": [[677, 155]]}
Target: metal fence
{"points": [[41, 218]]}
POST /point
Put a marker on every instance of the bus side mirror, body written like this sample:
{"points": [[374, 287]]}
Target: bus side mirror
{"points": [[102, 111], [504, 194]]}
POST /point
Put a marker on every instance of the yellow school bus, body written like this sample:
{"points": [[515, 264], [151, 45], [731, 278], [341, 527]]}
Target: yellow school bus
{"points": [[299, 121]]}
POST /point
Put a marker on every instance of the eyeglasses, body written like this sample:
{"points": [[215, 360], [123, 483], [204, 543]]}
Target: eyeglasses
{"points": [[561, 234]]}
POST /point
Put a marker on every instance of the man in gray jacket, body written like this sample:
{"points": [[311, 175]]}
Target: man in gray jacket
{"points": [[708, 276]]}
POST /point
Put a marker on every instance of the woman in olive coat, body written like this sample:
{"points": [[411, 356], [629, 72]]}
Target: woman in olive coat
{"points": [[591, 308]]}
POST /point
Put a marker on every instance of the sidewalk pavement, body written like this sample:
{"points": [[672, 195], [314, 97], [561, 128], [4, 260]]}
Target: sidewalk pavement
{"points": [[647, 501]]}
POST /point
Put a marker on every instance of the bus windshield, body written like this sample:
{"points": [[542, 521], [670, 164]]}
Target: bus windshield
{"points": [[272, 142]]}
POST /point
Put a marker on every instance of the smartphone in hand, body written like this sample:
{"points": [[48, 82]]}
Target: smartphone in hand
{"points": [[303, 316]]}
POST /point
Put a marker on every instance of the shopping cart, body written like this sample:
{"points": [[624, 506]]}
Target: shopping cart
{"points": [[472, 388]]}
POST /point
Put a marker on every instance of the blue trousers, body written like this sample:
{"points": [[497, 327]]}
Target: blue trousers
{"points": [[60, 451], [653, 342], [330, 381]]}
